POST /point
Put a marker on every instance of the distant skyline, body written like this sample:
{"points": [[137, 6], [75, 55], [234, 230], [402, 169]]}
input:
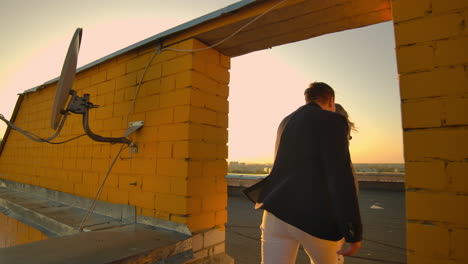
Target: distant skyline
{"points": [[265, 86]]}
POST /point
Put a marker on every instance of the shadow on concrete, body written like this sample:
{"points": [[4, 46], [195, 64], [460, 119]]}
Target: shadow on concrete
{"points": [[383, 216]]}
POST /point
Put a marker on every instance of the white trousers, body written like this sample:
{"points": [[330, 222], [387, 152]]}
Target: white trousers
{"points": [[280, 244]]}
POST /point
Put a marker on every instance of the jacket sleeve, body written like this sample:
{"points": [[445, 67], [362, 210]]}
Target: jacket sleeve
{"points": [[337, 165], [254, 192]]}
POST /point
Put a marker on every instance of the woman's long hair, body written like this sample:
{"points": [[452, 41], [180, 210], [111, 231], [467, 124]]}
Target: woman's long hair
{"points": [[340, 110]]}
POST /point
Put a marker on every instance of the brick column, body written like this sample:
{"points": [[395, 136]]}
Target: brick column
{"points": [[192, 150], [432, 54]]}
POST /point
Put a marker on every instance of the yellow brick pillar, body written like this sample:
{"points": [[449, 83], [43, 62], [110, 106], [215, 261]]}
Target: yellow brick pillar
{"points": [[432, 54], [192, 150]]}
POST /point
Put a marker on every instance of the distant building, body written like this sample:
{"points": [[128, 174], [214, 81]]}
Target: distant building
{"points": [[249, 168]]}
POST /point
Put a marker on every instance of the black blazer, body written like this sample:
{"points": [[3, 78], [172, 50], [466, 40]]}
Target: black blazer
{"points": [[311, 185]]}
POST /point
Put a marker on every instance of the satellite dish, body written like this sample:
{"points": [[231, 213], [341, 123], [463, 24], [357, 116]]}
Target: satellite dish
{"points": [[76, 105], [66, 80]]}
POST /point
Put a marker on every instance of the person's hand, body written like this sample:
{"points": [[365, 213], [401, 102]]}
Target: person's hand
{"points": [[351, 249]]}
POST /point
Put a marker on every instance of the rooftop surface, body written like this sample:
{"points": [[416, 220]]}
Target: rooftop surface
{"points": [[383, 216], [117, 235]]}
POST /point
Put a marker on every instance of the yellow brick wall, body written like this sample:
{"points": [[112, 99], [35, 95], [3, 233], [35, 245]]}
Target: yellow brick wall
{"points": [[13, 232], [178, 172], [432, 54]]}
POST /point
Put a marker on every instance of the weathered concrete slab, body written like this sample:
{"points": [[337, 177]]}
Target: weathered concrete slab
{"points": [[56, 213], [112, 240], [51, 217], [134, 243], [121, 212]]}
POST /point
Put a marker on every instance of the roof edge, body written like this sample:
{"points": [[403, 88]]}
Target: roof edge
{"points": [[12, 119], [158, 37]]}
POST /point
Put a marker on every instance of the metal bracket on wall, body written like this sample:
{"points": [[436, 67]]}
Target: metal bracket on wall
{"points": [[132, 127]]}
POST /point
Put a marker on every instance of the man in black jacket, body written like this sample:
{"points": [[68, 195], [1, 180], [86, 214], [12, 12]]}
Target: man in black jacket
{"points": [[310, 197]]}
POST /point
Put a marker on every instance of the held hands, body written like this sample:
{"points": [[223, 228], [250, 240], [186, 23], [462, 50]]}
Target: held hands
{"points": [[351, 249]]}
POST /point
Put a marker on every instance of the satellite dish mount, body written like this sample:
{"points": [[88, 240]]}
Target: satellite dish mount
{"points": [[77, 104], [81, 105]]}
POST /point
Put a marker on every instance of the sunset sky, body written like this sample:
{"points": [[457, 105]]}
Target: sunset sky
{"points": [[265, 86]]}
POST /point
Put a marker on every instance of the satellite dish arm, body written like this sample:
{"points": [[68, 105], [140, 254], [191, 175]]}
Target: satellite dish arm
{"points": [[97, 137], [81, 105]]}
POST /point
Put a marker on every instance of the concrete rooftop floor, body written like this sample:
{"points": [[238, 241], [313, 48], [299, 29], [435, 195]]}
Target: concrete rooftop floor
{"points": [[384, 229]]}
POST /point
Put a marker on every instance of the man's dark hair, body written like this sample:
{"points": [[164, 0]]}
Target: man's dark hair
{"points": [[319, 92]]}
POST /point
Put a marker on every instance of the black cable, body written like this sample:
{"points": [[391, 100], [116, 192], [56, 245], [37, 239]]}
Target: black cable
{"points": [[365, 239], [62, 142], [31, 135], [240, 234], [238, 226], [384, 244], [98, 194], [377, 260], [37, 138]]}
